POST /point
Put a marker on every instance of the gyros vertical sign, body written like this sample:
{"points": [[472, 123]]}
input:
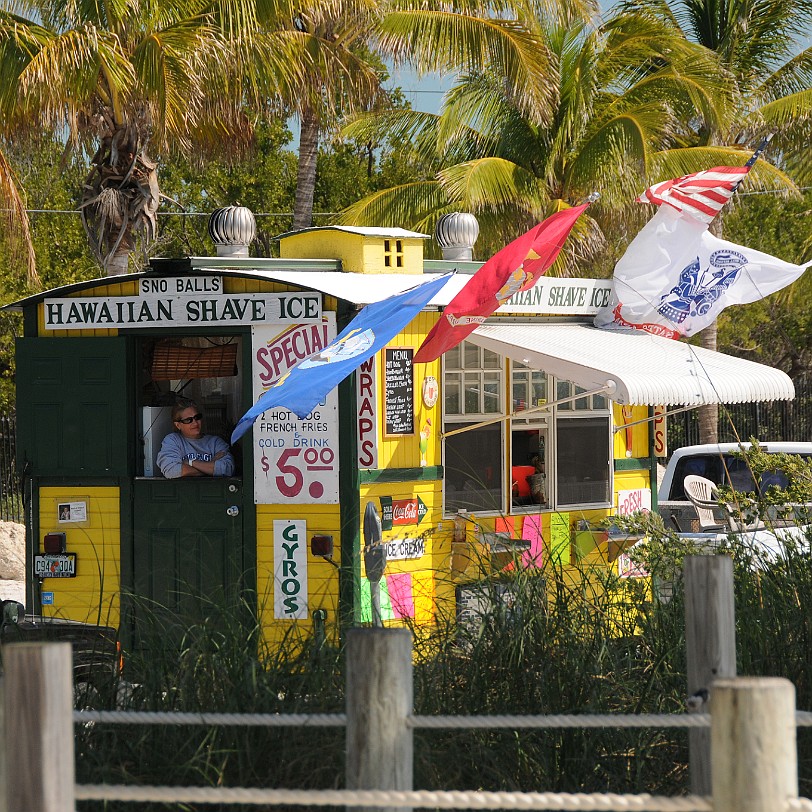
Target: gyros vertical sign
{"points": [[290, 569]]}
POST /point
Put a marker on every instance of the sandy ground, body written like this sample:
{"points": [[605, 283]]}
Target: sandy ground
{"points": [[12, 561]]}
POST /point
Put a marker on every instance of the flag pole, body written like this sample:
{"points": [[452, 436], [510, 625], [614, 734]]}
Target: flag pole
{"points": [[761, 147], [750, 163]]}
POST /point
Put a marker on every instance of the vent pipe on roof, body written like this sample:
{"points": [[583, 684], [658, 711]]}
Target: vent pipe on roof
{"points": [[232, 229], [457, 233]]}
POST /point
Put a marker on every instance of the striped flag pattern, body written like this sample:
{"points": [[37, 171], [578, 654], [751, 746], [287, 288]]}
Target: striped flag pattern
{"points": [[700, 195]]}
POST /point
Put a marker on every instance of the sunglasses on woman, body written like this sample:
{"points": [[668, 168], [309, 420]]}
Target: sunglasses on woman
{"points": [[186, 420]]}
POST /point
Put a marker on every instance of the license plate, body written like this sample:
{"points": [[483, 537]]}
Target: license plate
{"points": [[61, 565]]}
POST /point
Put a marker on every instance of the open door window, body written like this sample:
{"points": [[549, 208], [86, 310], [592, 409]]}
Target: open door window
{"points": [[203, 369]]}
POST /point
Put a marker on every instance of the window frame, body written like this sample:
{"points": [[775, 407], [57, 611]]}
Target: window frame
{"points": [[546, 423]]}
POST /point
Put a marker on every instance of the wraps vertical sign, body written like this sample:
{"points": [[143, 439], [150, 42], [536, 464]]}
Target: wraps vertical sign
{"points": [[290, 568]]}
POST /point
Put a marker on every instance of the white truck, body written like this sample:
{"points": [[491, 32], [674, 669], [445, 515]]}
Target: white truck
{"points": [[717, 463]]}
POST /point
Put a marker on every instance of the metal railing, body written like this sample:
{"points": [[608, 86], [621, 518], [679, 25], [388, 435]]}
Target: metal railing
{"points": [[11, 494], [776, 420]]}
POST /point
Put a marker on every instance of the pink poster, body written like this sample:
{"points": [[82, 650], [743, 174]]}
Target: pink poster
{"points": [[400, 594], [531, 531]]}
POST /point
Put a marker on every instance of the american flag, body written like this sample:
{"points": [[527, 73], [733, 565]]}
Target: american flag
{"points": [[700, 195]]}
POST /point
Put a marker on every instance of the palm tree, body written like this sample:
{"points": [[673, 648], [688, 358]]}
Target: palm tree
{"points": [[15, 218], [559, 109], [121, 79], [339, 76], [757, 45]]}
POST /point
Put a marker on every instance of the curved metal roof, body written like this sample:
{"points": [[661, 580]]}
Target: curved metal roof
{"points": [[635, 367]]}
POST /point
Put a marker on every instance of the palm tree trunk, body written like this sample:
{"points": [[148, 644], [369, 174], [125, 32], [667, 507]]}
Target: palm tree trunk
{"points": [[306, 173], [119, 262], [708, 415]]}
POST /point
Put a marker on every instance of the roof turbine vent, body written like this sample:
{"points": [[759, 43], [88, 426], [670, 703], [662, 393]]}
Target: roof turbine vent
{"points": [[232, 229], [457, 233]]}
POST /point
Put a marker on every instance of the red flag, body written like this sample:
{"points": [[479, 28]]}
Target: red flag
{"points": [[700, 195], [516, 267]]}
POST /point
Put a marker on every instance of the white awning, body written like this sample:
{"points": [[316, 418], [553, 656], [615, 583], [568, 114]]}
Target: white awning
{"points": [[636, 367]]}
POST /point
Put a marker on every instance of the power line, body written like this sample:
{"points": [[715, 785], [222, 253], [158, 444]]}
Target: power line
{"points": [[186, 213], [334, 213]]}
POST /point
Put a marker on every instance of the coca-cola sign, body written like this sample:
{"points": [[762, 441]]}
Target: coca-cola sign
{"points": [[395, 512]]}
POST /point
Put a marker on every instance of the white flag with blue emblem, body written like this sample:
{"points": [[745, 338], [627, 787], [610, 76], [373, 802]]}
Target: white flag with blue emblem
{"points": [[307, 384], [676, 278]]}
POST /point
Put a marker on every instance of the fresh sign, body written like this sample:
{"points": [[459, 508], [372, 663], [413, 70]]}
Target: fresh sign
{"points": [[633, 501]]}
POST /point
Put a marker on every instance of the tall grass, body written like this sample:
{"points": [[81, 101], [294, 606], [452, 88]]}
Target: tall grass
{"points": [[546, 644]]}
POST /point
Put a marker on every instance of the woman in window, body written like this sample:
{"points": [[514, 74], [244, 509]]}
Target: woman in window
{"points": [[187, 451]]}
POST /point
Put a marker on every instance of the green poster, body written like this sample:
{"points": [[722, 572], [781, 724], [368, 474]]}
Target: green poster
{"points": [[387, 613], [560, 542]]}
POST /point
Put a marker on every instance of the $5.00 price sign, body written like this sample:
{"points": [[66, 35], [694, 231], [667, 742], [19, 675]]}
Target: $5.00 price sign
{"points": [[295, 459], [294, 463]]}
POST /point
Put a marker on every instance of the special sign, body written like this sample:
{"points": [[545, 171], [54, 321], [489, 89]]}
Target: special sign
{"points": [[181, 302], [295, 460]]}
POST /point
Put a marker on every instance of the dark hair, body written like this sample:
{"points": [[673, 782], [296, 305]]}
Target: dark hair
{"points": [[180, 405]]}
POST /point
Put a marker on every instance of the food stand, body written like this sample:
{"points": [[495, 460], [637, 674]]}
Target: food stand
{"points": [[505, 453]]}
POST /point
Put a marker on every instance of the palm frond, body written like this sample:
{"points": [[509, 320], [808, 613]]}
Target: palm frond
{"points": [[16, 221], [494, 183], [444, 41], [410, 205], [64, 73]]}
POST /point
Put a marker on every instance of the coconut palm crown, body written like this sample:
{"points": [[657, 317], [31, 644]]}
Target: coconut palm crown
{"points": [[602, 108], [123, 78]]}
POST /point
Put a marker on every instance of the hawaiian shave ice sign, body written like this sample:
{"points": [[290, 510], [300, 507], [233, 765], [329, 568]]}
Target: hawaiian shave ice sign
{"points": [[181, 301], [295, 459], [560, 297], [290, 569]]}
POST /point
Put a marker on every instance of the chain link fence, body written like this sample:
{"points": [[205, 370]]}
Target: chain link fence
{"points": [[11, 493]]}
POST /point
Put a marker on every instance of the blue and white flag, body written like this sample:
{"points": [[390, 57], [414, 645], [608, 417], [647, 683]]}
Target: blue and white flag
{"points": [[306, 385], [676, 277]]}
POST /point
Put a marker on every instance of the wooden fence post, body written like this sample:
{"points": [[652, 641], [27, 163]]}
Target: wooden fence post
{"points": [[710, 639], [379, 701], [755, 767], [39, 727]]}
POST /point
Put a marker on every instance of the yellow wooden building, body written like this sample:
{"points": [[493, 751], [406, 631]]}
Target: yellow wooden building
{"points": [[504, 453]]}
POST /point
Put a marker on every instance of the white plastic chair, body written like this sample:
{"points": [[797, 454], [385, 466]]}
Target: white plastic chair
{"points": [[703, 495]]}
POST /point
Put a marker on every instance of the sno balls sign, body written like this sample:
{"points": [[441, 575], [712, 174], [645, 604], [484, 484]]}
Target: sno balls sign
{"points": [[290, 569], [295, 460]]}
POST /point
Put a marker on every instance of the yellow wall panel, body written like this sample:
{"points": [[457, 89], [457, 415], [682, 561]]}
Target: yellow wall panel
{"points": [[404, 451], [93, 595], [322, 577], [638, 435]]}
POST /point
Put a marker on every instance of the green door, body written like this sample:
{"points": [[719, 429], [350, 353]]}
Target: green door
{"points": [[188, 551]]}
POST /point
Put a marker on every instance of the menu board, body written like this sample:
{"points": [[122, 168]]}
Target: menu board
{"points": [[399, 388]]}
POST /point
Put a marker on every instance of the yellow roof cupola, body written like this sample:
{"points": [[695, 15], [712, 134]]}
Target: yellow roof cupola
{"points": [[361, 249]]}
